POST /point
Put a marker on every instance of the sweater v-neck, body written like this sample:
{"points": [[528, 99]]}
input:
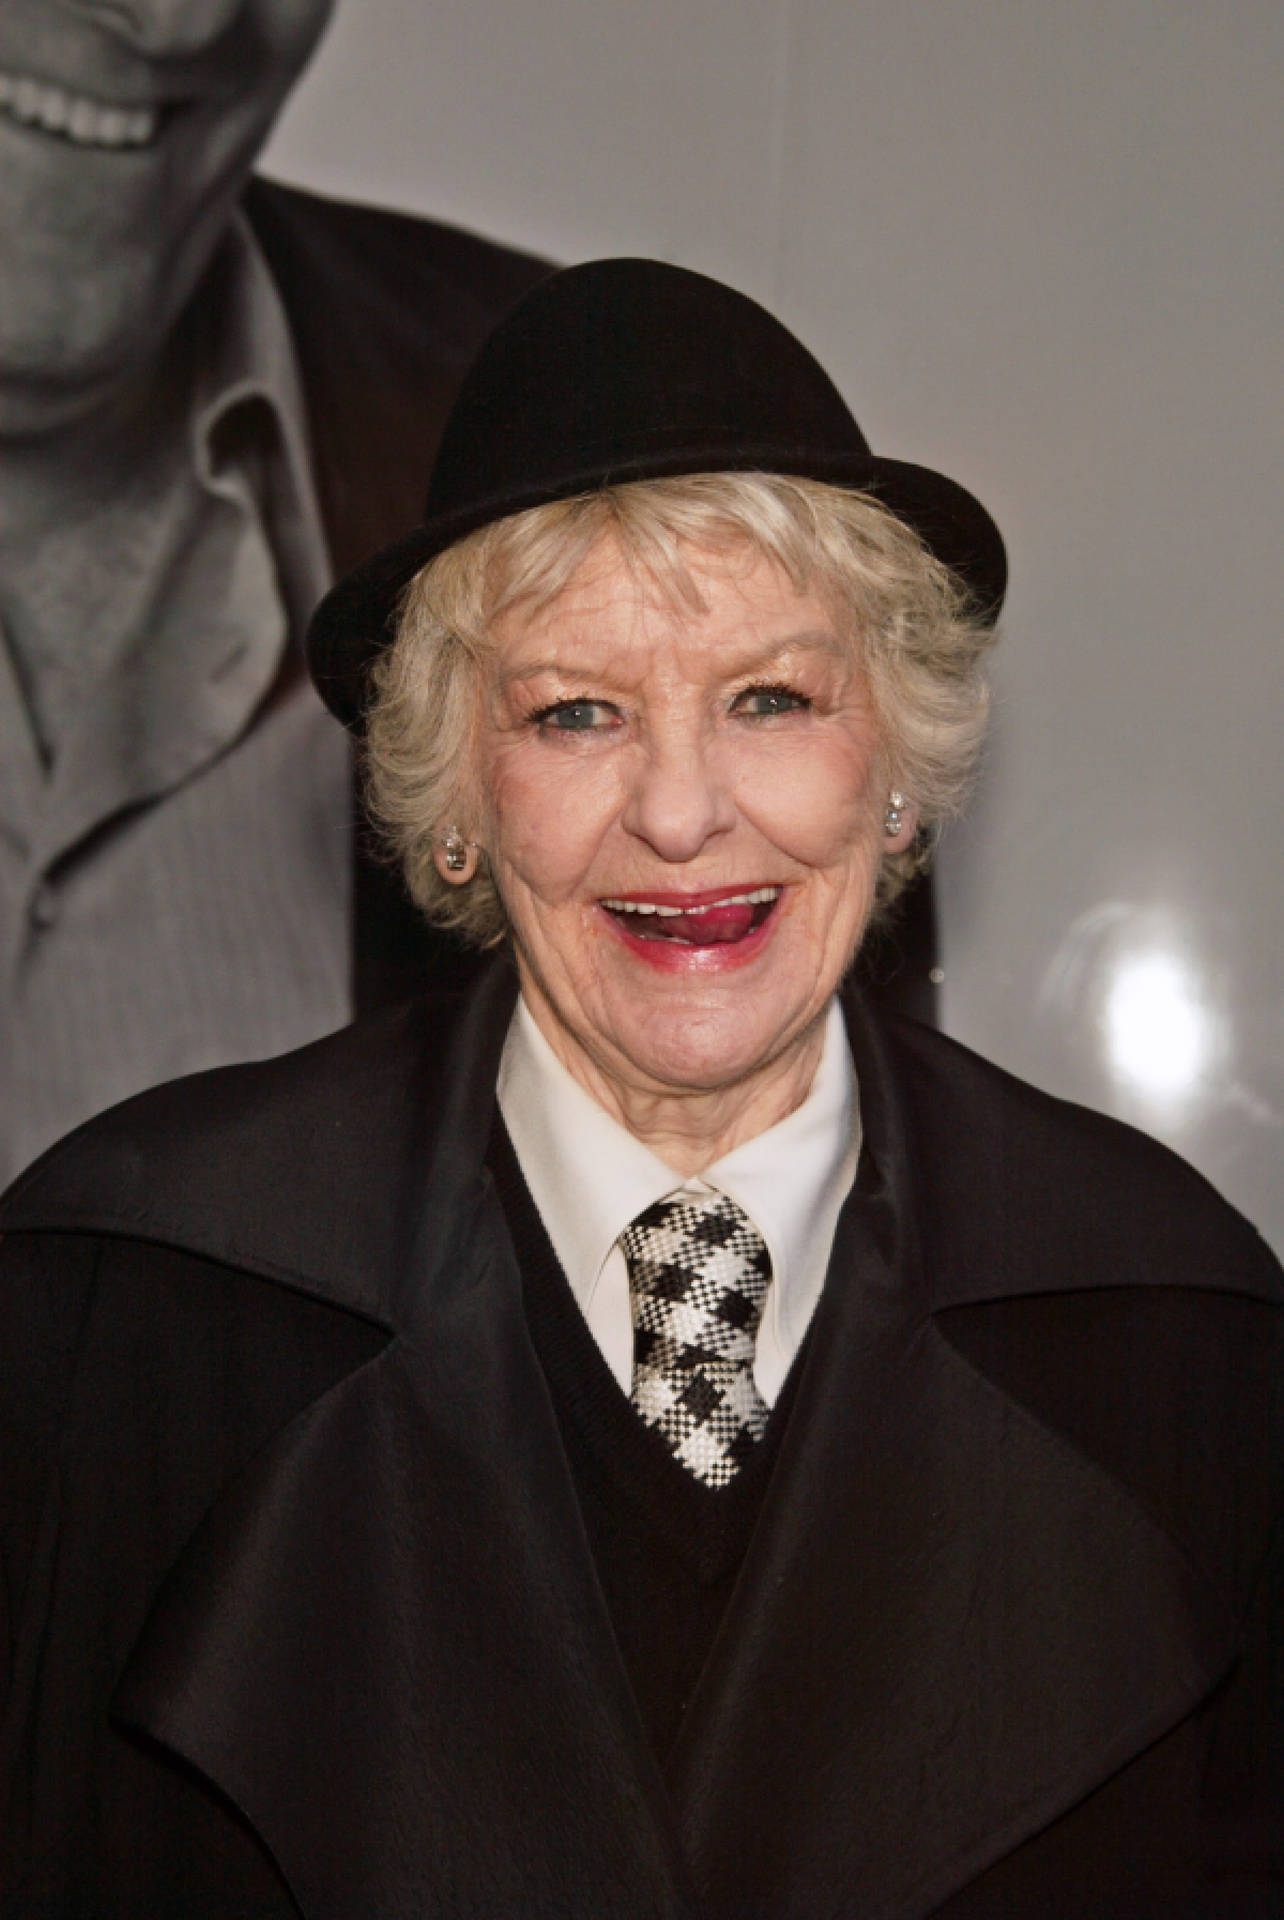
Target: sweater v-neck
{"points": [[667, 1549]]}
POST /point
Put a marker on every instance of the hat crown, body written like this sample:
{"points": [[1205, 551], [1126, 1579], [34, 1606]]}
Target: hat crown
{"points": [[622, 368]]}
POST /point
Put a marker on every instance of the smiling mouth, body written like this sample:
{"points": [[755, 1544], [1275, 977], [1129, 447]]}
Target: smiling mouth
{"points": [[711, 923], [74, 117]]}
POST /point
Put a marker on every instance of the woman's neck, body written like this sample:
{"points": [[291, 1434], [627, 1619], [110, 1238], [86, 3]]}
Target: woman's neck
{"points": [[688, 1128]]}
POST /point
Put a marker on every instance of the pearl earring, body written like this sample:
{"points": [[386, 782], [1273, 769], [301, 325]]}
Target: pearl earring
{"points": [[893, 819]]}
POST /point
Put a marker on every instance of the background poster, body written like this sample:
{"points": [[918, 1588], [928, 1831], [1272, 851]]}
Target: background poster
{"points": [[1037, 249]]}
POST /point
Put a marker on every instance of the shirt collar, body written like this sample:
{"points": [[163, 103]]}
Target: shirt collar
{"points": [[792, 1181], [589, 1177], [243, 350], [245, 354]]}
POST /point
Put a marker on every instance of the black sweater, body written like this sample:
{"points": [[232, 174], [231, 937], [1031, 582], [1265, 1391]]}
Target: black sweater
{"points": [[667, 1548]]}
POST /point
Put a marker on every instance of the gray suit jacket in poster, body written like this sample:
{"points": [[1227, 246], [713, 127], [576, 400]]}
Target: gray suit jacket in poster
{"points": [[304, 1619]]}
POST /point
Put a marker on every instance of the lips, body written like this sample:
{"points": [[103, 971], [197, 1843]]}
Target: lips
{"points": [[708, 920], [75, 117]]}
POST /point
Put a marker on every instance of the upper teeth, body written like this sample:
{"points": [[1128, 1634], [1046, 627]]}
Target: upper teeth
{"points": [[74, 115], [756, 898]]}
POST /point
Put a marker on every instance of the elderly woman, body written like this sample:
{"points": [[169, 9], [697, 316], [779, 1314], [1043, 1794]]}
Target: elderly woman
{"points": [[647, 1437]]}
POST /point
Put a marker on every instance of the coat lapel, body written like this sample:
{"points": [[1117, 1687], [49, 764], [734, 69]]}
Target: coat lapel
{"points": [[388, 1649], [387, 1645], [952, 1624]]}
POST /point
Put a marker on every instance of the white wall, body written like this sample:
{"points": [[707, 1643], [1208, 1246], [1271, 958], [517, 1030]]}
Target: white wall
{"points": [[1037, 246]]}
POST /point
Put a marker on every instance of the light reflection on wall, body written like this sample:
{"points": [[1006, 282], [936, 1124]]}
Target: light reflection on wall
{"points": [[1159, 1031], [1132, 984]]}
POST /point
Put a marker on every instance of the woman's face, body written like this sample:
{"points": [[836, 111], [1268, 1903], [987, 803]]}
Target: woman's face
{"points": [[683, 813]]}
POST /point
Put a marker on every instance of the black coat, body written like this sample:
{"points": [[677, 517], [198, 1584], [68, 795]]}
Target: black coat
{"points": [[301, 1597]]}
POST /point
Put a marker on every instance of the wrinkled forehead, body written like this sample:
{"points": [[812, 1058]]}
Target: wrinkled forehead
{"points": [[610, 576], [721, 610]]}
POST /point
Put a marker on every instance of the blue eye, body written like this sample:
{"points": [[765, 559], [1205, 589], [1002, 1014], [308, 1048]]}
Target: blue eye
{"points": [[763, 702], [575, 716]]}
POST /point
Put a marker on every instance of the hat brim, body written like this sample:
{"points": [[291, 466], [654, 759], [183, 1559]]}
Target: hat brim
{"points": [[356, 621]]}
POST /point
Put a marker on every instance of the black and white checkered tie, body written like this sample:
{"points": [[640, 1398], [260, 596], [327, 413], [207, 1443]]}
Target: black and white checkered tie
{"points": [[698, 1275]]}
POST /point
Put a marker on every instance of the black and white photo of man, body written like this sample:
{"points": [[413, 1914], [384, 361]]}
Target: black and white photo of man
{"points": [[199, 378]]}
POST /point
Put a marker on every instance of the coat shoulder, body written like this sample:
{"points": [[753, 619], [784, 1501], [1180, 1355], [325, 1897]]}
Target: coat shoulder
{"points": [[320, 1169], [215, 1161], [1084, 1199], [1094, 1277]]}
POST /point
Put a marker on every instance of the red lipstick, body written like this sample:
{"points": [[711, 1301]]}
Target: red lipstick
{"points": [[710, 929]]}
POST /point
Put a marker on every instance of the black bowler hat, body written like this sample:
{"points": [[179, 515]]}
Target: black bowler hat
{"points": [[633, 370]]}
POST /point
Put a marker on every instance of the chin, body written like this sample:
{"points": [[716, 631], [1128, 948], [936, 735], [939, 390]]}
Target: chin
{"points": [[692, 1053], [71, 334]]}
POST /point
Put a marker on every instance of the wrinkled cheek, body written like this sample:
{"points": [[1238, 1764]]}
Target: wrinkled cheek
{"points": [[530, 875], [821, 832], [544, 833], [533, 872]]}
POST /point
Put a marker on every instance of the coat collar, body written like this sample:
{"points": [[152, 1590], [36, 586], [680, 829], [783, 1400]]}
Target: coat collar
{"points": [[380, 1129], [387, 1647], [320, 1170], [955, 1625], [387, 1644]]}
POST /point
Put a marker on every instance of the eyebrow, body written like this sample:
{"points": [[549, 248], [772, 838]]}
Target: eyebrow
{"points": [[809, 641]]}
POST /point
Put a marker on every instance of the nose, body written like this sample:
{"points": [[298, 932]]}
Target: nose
{"points": [[679, 800], [165, 29]]}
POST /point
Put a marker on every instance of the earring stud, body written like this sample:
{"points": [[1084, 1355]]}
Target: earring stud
{"points": [[455, 850], [893, 819]]}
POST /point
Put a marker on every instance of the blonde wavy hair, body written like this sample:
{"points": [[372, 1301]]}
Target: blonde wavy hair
{"points": [[919, 644]]}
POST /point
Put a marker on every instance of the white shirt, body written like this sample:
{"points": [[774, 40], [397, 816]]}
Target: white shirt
{"points": [[589, 1178]]}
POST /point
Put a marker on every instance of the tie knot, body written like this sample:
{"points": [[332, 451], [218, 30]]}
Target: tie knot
{"points": [[699, 1247], [698, 1276]]}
